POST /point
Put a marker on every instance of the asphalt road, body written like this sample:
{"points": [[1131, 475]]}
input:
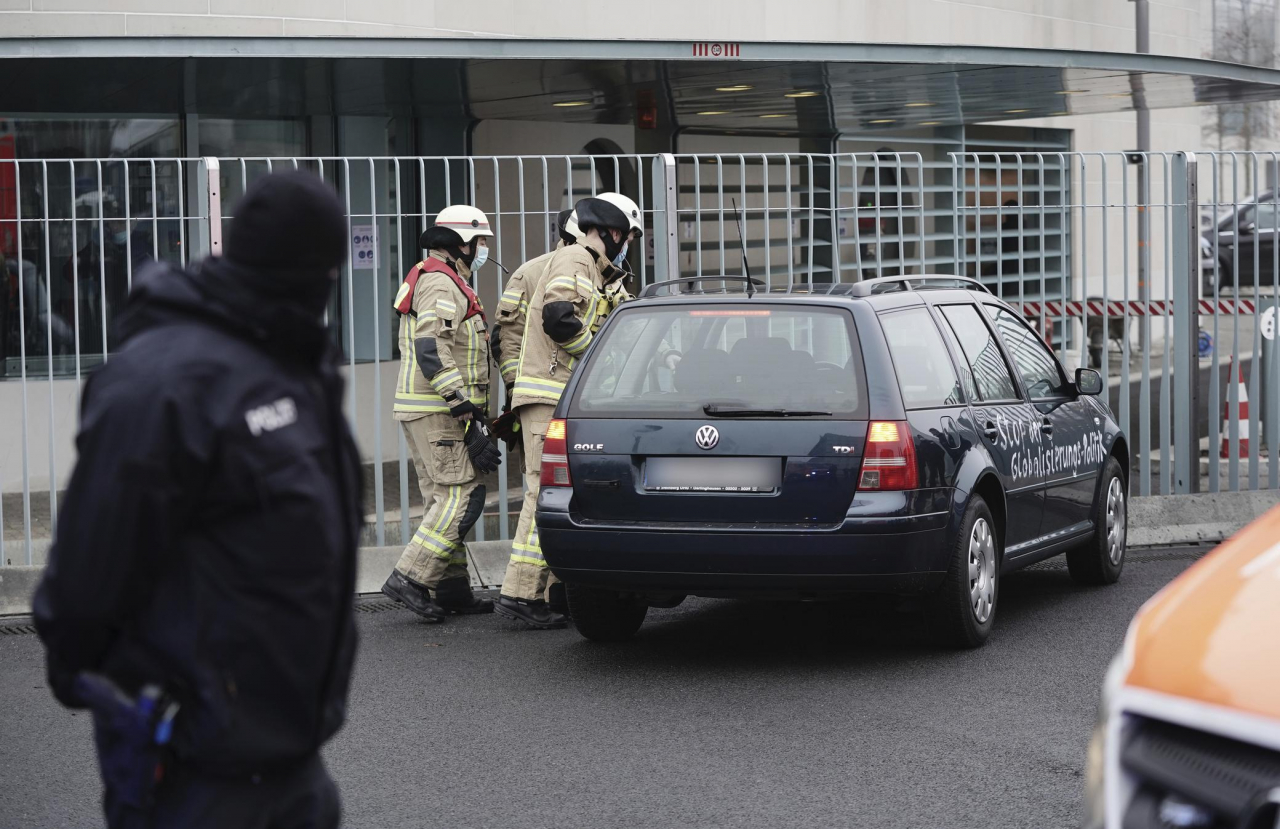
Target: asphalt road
{"points": [[721, 713]]}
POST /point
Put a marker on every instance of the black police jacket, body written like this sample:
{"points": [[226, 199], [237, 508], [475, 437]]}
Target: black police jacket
{"points": [[208, 537]]}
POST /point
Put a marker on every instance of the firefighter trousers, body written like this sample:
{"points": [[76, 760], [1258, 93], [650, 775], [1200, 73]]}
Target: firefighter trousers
{"points": [[527, 574], [452, 500]]}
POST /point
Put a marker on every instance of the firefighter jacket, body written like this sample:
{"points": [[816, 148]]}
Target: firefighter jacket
{"points": [[444, 347], [566, 309], [513, 310]]}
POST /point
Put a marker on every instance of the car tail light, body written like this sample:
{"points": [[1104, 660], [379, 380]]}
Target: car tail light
{"points": [[889, 462], [555, 456]]}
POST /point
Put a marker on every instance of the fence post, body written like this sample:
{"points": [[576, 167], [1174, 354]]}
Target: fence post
{"points": [[1186, 319], [666, 245], [213, 187]]}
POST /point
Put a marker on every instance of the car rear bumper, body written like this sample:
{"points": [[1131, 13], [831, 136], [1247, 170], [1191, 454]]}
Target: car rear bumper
{"points": [[885, 544]]}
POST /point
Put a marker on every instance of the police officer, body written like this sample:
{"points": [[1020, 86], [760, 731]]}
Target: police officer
{"points": [[442, 396], [566, 308], [199, 595]]}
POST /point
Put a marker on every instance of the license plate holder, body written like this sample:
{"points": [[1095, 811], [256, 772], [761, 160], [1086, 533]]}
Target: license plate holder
{"points": [[736, 476]]}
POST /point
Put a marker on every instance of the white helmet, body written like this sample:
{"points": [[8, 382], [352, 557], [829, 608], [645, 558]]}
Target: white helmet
{"points": [[571, 227], [467, 221], [611, 210]]}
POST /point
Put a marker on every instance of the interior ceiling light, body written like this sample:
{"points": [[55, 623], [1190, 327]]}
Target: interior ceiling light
{"points": [[882, 121], [808, 93], [714, 112], [930, 123], [775, 115], [1016, 111], [571, 103], [922, 104], [1072, 91], [741, 87], [1121, 95], [1059, 113]]}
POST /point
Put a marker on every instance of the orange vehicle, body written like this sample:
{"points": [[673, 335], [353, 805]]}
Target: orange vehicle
{"points": [[1188, 733]]}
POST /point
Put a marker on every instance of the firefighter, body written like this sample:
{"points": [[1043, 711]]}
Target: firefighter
{"points": [[566, 308], [441, 400]]}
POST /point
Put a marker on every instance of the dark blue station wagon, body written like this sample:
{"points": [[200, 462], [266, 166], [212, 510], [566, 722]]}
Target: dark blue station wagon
{"points": [[898, 435]]}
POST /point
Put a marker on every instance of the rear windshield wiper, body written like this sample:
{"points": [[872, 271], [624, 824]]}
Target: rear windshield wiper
{"points": [[712, 410]]}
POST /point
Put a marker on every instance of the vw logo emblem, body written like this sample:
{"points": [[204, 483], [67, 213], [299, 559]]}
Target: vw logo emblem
{"points": [[707, 437]]}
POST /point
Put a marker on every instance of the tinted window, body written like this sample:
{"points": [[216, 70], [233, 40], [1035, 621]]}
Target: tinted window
{"points": [[925, 373], [672, 361], [990, 373], [1037, 366]]}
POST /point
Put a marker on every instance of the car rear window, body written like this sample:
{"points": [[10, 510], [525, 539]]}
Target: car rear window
{"points": [[674, 360]]}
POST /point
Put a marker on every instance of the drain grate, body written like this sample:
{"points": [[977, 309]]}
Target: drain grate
{"points": [[378, 606], [16, 630]]}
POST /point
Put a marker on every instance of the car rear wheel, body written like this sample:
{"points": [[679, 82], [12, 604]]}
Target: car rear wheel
{"points": [[605, 615], [963, 610], [1101, 559]]}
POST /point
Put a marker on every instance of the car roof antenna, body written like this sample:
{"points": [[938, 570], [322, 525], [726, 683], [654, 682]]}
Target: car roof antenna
{"points": [[746, 266]]}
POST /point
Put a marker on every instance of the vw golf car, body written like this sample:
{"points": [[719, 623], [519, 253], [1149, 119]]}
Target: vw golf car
{"points": [[897, 435], [1189, 729]]}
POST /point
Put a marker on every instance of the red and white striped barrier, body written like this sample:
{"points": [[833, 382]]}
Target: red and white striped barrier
{"points": [[1241, 415], [1154, 308]]}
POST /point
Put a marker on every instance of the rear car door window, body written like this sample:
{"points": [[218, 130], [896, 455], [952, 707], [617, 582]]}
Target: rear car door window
{"points": [[990, 373], [925, 373], [1035, 363]]}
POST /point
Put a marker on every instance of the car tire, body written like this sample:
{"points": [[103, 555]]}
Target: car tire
{"points": [[604, 615], [961, 613], [1100, 560]]}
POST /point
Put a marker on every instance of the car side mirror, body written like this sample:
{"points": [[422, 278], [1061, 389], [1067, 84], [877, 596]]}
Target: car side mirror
{"points": [[1248, 229], [1088, 381]]}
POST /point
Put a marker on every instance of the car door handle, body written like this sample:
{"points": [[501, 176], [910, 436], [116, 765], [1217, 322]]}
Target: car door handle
{"points": [[990, 431], [1046, 426]]}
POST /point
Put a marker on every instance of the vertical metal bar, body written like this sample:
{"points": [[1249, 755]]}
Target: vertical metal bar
{"points": [[670, 257], [1022, 276], [875, 160], [1045, 325], [1233, 388], [128, 235], [1106, 282], [75, 272], [182, 218], [833, 199], [999, 225], [1144, 271], [1215, 389], [1126, 422], [697, 215], [379, 502], [720, 203], [959, 223], [1271, 381], [48, 306], [22, 357], [351, 302], [1255, 444], [1166, 373], [813, 195], [920, 186], [155, 216], [102, 260], [791, 256], [857, 215], [1084, 270], [644, 255], [1186, 254], [743, 211], [768, 235], [214, 172], [977, 212], [402, 451]]}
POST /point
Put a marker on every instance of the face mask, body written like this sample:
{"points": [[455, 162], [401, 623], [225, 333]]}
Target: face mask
{"points": [[622, 256], [482, 256], [120, 238]]}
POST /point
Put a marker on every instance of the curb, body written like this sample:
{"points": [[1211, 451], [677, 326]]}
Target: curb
{"points": [[1155, 520]]}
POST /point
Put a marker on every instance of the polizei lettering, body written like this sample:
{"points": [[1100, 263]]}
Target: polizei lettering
{"points": [[272, 416]]}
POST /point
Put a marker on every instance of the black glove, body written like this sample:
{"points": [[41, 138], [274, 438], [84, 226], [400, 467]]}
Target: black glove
{"points": [[481, 447], [460, 407]]}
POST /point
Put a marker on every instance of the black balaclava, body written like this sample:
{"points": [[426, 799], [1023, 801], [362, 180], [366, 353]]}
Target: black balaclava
{"points": [[289, 237], [448, 240], [562, 220]]}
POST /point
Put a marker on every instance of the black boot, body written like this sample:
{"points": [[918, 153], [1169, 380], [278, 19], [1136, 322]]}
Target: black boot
{"points": [[536, 614], [413, 596], [455, 596], [557, 600]]}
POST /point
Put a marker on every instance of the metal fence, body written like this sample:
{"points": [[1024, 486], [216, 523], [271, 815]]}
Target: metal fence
{"points": [[1105, 252]]}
